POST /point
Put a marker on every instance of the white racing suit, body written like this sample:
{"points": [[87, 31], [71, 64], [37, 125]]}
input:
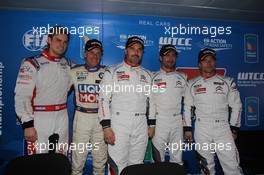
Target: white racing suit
{"points": [[86, 127], [212, 98], [124, 109], [40, 100], [166, 105]]}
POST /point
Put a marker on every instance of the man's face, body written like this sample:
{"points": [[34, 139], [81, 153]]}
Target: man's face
{"points": [[93, 57], [134, 53], [169, 60], [58, 44], [207, 65]]}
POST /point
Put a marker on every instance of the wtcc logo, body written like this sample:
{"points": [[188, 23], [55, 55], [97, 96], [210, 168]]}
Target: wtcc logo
{"points": [[179, 43], [33, 41], [252, 79], [250, 76]]}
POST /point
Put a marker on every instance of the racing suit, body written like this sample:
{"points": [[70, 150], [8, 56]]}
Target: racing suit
{"points": [[86, 127], [212, 98], [167, 107], [40, 100], [124, 109]]}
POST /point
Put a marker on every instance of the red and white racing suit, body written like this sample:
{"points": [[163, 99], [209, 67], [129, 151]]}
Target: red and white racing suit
{"points": [[212, 98], [166, 105], [86, 127], [40, 99], [124, 109]]}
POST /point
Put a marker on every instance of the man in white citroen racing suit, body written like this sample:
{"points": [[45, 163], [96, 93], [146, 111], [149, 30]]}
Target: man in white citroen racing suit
{"points": [[167, 107], [41, 92], [123, 112], [86, 127], [212, 95]]}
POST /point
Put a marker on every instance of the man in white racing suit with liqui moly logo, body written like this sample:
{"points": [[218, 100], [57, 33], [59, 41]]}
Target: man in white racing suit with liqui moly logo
{"points": [[86, 127]]}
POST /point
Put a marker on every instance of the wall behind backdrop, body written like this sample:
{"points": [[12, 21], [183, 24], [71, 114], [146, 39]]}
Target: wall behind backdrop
{"points": [[239, 49]]}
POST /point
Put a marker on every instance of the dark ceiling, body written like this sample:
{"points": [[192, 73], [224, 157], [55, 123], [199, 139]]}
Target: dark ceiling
{"points": [[239, 10]]}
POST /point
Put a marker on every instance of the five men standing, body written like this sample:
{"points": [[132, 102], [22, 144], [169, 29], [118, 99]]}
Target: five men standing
{"points": [[41, 94]]}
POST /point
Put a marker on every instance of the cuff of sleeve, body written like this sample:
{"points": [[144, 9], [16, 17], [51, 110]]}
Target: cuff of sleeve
{"points": [[234, 129], [151, 122], [106, 123], [187, 128], [28, 124]]}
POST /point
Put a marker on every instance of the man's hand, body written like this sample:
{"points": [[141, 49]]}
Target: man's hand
{"points": [[234, 135], [30, 134], [151, 132], [109, 136], [188, 136], [234, 131]]}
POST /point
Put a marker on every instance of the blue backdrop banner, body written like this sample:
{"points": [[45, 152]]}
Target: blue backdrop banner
{"points": [[239, 49]]}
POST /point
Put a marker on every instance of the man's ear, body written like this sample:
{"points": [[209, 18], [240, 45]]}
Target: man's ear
{"points": [[49, 40], [160, 58], [199, 65]]}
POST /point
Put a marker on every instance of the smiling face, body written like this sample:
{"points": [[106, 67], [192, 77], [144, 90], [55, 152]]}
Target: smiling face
{"points": [[134, 54], [93, 56], [58, 44], [208, 64]]}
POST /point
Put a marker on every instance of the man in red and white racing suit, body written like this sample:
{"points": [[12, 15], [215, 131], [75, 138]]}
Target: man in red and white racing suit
{"points": [[123, 110], [41, 95], [212, 95], [166, 105], [87, 130]]}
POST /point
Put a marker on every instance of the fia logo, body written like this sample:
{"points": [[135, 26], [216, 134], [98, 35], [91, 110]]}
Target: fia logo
{"points": [[33, 41]]}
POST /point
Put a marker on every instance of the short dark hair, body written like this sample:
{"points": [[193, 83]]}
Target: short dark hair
{"points": [[93, 43], [166, 48], [134, 39], [56, 30], [204, 52]]}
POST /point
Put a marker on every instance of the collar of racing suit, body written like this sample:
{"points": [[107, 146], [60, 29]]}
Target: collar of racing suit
{"points": [[163, 71], [46, 54], [210, 76], [127, 64], [92, 69]]}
